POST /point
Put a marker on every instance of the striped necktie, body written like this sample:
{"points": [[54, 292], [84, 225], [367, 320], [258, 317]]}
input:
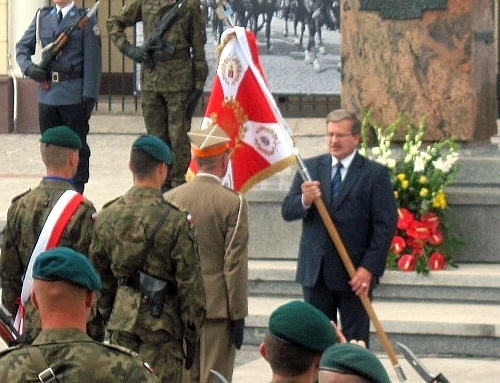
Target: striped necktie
{"points": [[336, 181]]}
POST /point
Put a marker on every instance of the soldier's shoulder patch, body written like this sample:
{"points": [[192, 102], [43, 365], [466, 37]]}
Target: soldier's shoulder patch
{"points": [[95, 30], [20, 195]]}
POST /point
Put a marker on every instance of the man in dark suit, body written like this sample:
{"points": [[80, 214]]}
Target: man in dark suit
{"points": [[73, 78], [361, 202]]}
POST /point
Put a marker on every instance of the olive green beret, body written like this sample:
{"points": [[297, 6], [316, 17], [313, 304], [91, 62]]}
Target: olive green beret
{"points": [[61, 136], [155, 147], [350, 358], [65, 264], [301, 323]]}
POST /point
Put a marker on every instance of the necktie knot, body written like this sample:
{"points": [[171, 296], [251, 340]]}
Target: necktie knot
{"points": [[336, 181]]}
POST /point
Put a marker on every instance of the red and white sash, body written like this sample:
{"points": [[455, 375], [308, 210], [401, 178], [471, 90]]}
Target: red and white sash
{"points": [[51, 233]]}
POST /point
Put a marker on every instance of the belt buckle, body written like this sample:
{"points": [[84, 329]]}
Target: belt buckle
{"points": [[47, 376], [55, 76]]}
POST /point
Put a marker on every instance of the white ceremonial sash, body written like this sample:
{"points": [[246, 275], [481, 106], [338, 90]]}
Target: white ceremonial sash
{"points": [[55, 214]]}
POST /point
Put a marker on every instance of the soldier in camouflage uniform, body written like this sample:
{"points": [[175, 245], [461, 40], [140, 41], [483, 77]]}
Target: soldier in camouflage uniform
{"points": [[27, 215], [172, 86], [144, 249], [64, 285]]}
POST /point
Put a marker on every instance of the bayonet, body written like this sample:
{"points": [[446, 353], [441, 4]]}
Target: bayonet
{"points": [[420, 368]]}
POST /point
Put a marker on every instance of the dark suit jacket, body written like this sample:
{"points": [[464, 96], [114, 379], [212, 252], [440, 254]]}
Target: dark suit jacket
{"points": [[364, 214]]}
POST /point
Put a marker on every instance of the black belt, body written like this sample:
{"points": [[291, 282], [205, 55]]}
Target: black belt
{"points": [[64, 76], [181, 54]]}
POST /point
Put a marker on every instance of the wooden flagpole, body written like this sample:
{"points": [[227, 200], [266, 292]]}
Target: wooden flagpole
{"points": [[351, 270]]}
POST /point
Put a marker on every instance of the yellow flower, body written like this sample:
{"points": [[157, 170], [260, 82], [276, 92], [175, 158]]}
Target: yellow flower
{"points": [[423, 179], [439, 201], [424, 192], [396, 194], [405, 184], [401, 177]]}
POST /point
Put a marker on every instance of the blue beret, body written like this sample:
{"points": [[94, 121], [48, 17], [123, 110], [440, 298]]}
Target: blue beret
{"points": [[349, 358], [61, 136], [65, 264], [301, 323], [155, 147]]}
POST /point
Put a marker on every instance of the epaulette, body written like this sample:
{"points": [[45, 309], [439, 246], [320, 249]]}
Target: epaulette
{"points": [[189, 217], [20, 195], [122, 349]]}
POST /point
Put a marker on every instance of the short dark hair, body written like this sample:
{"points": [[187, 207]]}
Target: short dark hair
{"points": [[142, 164], [344, 114], [286, 358]]}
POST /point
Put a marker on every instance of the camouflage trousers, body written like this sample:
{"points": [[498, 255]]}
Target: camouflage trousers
{"points": [[165, 117], [157, 349]]}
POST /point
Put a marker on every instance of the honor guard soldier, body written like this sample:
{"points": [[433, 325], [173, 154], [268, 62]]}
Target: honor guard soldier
{"points": [[173, 70], [145, 251], [64, 288], [51, 214], [69, 85], [221, 221]]}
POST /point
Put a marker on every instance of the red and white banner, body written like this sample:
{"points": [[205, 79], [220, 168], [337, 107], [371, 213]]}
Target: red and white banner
{"points": [[242, 105]]}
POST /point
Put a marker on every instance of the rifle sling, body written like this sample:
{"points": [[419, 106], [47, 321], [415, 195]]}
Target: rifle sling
{"points": [[47, 375]]}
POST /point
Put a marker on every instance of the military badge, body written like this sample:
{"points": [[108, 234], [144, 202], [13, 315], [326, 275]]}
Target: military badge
{"points": [[231, 70], [266, 140], [95, 30]]}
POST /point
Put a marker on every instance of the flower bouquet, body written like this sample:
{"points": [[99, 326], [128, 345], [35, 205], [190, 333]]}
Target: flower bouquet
{"points": [[423, 239]]}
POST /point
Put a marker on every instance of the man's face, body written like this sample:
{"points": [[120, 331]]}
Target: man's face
{"points": [[341, 142]]}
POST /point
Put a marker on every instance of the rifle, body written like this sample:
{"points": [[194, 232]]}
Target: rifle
{"points": [[50, 51], [155, 42], [8, 332]]}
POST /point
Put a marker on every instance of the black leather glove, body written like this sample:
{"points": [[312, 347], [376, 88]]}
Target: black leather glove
{"points": [[88, 106], [191, 348], [192, 101], [134, 52], [237, 327], [37, 73]]}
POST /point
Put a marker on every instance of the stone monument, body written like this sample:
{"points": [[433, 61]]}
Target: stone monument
{"points": [[433, 58]]}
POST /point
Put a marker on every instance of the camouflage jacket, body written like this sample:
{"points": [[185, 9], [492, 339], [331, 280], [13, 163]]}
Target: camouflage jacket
{"points": [[186, 33], [74, 358], [25, 219], [123, 231]]}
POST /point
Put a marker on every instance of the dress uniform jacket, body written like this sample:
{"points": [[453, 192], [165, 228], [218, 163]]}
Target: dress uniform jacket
{"points": [[25, 219], [82, 53], [74, 358], [221, 222]]}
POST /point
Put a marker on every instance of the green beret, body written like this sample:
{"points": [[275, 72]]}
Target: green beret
{"points": [[61, 136], [350, 358], [155, 147], [301, 323], [65, 264]]}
